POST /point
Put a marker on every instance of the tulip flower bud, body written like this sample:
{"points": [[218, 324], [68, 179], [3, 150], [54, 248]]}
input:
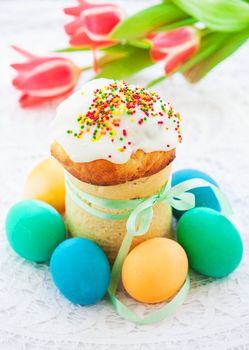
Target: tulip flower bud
{"points": [[174, 47], [92, 24], [44, 78]]}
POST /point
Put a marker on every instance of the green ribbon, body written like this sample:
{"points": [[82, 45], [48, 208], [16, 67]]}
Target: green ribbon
{"points": [[139, 213]]}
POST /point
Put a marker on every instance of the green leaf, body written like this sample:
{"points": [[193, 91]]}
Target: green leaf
{"points": [[119, 51], [143, 44], [126, 66], [119, 48], [219, 15], [145, 21], [184, 22], [72, 49], [156, 81], [106, 59], [209, 44], [228, 46]]}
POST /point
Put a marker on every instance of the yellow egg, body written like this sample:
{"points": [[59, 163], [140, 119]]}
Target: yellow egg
{"points": [[155, 270], [46, 183]]}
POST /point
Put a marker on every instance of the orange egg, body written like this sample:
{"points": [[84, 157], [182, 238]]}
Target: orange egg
{"points": [[155, 270], [46, 183]]}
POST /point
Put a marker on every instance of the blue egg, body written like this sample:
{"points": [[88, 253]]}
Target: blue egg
{"points": [[204, 196], [80, 271]]}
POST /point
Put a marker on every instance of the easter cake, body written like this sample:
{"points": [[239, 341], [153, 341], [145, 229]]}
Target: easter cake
{"points": [[117, 142]]}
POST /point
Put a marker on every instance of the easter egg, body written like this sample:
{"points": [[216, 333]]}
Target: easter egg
{"points": [[204, 196], [80, 270], [211, 241], [34, 229], [155, 270], [46, 183]]}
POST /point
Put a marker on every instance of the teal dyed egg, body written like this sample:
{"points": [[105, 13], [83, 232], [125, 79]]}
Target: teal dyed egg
{"points": [[212, 243], [34, 229]]}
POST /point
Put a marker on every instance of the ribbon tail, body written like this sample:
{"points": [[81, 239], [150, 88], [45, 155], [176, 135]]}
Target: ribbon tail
{"points": [[143, 213], [117, 266], [156, 316], [226, 208]]}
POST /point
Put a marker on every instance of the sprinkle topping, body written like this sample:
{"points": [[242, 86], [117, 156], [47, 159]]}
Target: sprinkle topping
{"points": [[117, 100]]}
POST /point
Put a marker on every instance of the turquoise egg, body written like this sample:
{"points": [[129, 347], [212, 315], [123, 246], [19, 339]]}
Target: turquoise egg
{"points": [[80, 270], [204, 196], [212, 243], [34, 229]]}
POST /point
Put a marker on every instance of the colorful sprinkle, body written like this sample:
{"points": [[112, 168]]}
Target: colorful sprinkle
{"points": [[113, 102]]}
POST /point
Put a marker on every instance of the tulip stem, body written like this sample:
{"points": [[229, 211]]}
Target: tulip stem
{"points": [[156, 81], [83, 69], [95, 62]]}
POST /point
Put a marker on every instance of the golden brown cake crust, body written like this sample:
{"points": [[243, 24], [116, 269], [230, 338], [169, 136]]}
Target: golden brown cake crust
{"points": [[104, 173]]}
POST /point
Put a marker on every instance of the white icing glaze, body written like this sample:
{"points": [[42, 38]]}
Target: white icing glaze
{"points": [[148, 136]]}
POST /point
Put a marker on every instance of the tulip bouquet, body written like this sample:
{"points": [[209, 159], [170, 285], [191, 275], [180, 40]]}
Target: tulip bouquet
{"points": [[188, 36]]}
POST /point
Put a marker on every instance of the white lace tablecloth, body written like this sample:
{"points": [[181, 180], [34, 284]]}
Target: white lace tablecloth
{"points": [[33, 315]]}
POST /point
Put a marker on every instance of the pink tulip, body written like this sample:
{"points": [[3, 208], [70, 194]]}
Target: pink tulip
{"points": [[174, 47], [92, 24], [44, 78]]}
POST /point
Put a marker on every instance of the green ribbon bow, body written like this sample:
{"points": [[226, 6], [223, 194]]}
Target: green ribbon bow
{"points": [[139, 213]]}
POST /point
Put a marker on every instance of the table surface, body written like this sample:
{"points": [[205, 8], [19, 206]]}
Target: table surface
{"points": [[33, 315]]}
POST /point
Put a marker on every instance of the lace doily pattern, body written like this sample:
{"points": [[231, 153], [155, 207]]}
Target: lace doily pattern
{"points": [[33, 315]]}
